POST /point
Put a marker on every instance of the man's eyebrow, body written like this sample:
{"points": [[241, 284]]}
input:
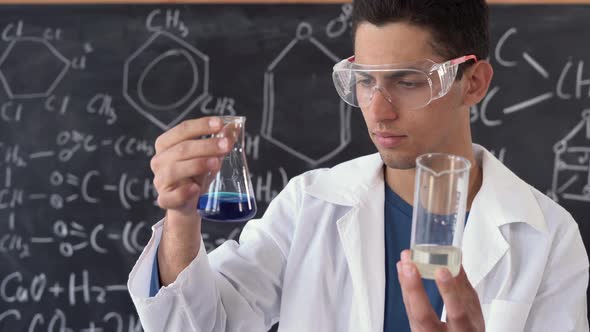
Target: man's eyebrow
{"points": [[394, 75], [365, 75], [400, 74]]}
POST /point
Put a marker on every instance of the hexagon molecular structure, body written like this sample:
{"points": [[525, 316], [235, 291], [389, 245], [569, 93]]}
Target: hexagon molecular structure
{"points": [[571, 172], [303, 114], [165, 79], [31, 67]]}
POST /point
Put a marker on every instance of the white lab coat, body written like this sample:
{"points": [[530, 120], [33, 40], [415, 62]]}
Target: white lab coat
{"points": [[316, 261]]}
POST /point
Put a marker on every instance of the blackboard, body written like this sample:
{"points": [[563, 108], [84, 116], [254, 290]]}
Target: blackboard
{"points": [[86, 89]]}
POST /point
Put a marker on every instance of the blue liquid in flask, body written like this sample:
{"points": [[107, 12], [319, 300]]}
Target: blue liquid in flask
{"points": [[227, 206]]}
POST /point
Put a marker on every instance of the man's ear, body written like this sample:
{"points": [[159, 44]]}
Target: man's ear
{"points": [[477, 81]]}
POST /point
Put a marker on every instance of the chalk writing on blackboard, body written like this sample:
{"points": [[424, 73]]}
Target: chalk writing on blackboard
{"points": [[303, 38], [571, 171], [481, 112], [338, 26], [165, 58], [18, 84]]}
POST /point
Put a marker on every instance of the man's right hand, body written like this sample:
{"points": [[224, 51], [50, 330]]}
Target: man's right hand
{"points": [[182, 160], [180, 166]]}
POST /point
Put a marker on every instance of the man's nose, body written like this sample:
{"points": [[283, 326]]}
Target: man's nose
{"points": [[383, 92], [381, 103]]}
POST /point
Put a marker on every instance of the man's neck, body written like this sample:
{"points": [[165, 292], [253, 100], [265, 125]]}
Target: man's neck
{"points": [[401, 181]]}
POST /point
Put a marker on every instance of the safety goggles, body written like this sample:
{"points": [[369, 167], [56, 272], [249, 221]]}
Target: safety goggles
{"points": [[406, 86]]}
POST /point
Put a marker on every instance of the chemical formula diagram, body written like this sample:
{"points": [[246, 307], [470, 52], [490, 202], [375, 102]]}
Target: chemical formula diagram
{"points": [[279, 99], [571, 171], [170, 66]]}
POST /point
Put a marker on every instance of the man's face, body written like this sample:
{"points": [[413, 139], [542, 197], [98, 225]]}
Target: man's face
{"points": [[401, 135]]}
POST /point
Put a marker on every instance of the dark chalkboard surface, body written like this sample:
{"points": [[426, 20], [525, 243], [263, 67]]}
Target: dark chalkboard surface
{"points": [[86, 90]]}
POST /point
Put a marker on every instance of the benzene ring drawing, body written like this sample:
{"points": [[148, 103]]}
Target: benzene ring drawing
{"points": [[27, 56], [165, 79]]}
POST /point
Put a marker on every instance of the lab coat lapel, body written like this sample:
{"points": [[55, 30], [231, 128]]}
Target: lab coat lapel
{"points": [[359, 184], [502, 199], [483, 243], [362, 237]]}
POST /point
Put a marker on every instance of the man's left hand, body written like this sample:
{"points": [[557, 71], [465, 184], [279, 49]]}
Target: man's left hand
{"points": [[460, 298]]}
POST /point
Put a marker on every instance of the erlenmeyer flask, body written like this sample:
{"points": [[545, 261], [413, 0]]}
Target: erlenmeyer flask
{"points": [[230, 197]]}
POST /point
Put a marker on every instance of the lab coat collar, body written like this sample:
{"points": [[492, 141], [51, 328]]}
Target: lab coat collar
{"points": [[361, 233], [506, 198], [351, 182]]}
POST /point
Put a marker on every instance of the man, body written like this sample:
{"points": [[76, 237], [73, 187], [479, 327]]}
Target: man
{"points": [[324, 257]]}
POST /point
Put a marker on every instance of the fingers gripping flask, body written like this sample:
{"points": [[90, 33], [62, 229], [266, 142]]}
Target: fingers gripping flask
{"points": [[229, 197]]}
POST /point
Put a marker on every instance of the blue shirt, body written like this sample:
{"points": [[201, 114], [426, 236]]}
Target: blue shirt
{"points": [[398, 228], [155, 282]]}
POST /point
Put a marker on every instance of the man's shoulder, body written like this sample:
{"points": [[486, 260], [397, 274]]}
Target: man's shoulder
{"points": [[555, 214]]}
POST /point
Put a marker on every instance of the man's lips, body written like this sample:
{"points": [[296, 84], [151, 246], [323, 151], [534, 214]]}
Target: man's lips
{"points": [[388, 140]]}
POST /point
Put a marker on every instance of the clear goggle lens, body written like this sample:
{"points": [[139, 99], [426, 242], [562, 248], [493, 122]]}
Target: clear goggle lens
{"points": [[411, 87]]}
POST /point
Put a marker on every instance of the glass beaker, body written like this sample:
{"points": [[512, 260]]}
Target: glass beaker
{"points": [[229, 197], [438, 219]]}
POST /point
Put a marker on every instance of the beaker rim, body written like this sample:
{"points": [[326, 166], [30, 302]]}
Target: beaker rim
{"points": [[233, 119], [464, 163]]}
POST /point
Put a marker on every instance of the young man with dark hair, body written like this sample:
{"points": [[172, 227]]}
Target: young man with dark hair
{"points": [[324, 257]]}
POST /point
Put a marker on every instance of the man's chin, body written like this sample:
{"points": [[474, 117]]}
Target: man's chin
{"points": [[398, 161]]}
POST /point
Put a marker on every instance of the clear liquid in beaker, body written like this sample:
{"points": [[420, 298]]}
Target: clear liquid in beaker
{"points": [[430, 257], [438, 219]]}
